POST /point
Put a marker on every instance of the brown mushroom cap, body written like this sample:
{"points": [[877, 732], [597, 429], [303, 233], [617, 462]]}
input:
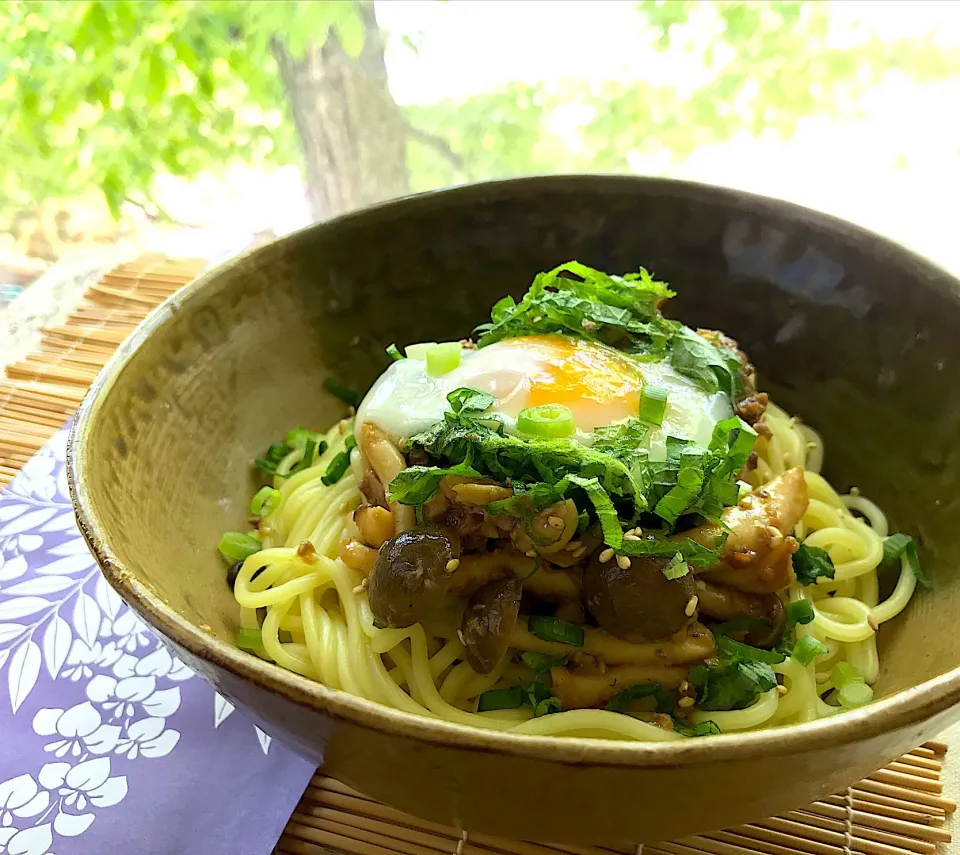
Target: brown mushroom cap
{"points": [[489, 621], [638, 603], [410, 578]]}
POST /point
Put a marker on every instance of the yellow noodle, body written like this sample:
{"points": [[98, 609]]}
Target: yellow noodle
{"points": [[317, 603]]}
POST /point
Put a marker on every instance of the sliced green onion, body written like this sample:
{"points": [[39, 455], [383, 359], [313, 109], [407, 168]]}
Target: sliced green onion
{"points": [[854, 695], [554, 629], [339, 465], [808, 648], [500, 699], [394, 352], [550, 420], [746, 651], [540, 662], [677, 568], [844, 673], [443, 358], [800, 612], [264, 502], [252, 640], [743, 489], [419, 351], [653, 404], [238, 546], [299, 437]]}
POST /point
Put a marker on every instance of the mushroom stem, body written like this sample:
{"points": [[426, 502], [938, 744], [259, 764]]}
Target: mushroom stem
{"points": [[693, 645], [585, 689], [387, 462]]}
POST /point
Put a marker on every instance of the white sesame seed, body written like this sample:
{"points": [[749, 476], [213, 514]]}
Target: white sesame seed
{"points": [[691, 606], [453, 564], [686, 702], [782, 690], [776, 536], [531, 554], [854, 491], [554, 522], [588, 325], [578, 552], [630, 537], [605, 556], [463, 641], [873, 623], [623, 562], [359, 590], [684, 686]]}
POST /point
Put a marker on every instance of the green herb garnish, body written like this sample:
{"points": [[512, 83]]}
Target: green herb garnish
{"points": [[554, 629], [712, 368], [704, 728], [500, 699], [394, 353], [663, 700], [577, 300], [810, 563], [731, 685], [739, 650]]}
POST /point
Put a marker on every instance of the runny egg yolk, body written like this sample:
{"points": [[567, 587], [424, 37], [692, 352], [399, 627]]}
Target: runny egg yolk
{"points": [[598, 384]]}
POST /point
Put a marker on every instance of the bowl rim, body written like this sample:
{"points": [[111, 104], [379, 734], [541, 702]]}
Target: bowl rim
{"points": [[900, 710]]}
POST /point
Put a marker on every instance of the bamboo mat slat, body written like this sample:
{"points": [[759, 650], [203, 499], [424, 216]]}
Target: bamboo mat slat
{"points": [[899, 810]]}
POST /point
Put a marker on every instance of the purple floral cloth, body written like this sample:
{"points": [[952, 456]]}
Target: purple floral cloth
{"points": [[107, 742]]}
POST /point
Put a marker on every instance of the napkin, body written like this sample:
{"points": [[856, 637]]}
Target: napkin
{"points": [[107, 742]]}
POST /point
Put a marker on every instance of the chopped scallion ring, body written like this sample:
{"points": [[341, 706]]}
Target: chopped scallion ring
{"points": [[238, 546], [653, 404], [443, 358], [548, 420], [264, 502], [419, 351], [807, 649]]}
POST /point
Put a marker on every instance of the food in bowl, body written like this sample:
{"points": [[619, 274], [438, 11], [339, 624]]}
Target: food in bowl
{"points": [[588, 521]]}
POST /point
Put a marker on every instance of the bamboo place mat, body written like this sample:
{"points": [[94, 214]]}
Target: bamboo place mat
{"points": [[900, 809]]}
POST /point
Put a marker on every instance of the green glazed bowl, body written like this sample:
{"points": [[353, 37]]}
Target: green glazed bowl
{"points": [[855, 334]]}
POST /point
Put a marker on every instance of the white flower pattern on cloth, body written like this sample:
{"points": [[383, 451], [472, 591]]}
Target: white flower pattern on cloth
{"points": [[60, 622]]}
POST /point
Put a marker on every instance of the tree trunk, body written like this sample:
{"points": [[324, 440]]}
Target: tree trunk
{"points": [[352, 133]]}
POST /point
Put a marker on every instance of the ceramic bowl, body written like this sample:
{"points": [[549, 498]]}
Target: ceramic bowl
{"points": [[854, 333]]}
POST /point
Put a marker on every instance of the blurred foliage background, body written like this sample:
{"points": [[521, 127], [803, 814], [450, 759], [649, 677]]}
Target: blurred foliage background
{"points": [[181, 124]]}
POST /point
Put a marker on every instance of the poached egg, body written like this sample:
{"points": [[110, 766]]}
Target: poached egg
{"points": [[601, 386]]}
